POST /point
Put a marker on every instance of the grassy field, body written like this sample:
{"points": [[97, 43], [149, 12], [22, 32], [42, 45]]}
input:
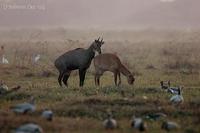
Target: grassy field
{"points": [[151, 55]]}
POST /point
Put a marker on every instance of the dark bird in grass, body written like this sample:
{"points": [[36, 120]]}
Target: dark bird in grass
{"points": [[47, 114], [110, 122], [155, 116], [29, 128], [16, 88], [165, 84], [5, 90], [138, 124], [24, 108], [169, 125]]}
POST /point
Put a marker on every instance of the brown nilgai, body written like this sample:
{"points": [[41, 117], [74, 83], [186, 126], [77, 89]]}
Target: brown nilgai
{"points": [[110, 62]]}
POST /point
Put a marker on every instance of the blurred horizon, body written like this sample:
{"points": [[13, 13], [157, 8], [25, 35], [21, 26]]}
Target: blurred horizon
{"points": [[104, 14]]}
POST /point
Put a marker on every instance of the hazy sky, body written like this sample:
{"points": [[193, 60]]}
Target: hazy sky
{"points": [[100, 13]]}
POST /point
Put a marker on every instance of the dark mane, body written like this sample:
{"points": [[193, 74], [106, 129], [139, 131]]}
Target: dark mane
{"points": [[78, 48]]}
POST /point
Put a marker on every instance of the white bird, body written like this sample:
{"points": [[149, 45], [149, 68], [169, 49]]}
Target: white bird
{"points": [[29, 128], [138, 124], [3, 88], [47, 114], [177, 99], [169, 125], [110, 123], [4, 60], [25, 107], [37, 58]]}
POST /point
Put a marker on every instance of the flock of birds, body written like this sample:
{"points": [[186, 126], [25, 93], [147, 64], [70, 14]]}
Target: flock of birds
{"points": [[4, 60], [30, 107], [109, 123], [35, 59], [139, 124]]}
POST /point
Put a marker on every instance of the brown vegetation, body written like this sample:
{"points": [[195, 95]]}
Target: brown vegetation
{"points": [[152, 56]]}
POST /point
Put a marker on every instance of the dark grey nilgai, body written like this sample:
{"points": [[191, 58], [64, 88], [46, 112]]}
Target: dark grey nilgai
{"points": [[77, 59]]}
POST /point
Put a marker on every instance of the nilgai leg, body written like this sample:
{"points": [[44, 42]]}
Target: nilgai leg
{"points": [[115, 77], [66, 77], [60, 78], [98, 79], [98, 74], [95, 79], [82, 76], [119, 78]]}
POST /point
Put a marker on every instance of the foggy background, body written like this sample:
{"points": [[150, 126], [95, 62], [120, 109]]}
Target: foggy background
{"points": [[102, 13]]}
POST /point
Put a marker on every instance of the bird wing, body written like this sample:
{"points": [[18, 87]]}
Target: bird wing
{"points": [[29, 128], [21, 108], [176, 98], [173, 98]]}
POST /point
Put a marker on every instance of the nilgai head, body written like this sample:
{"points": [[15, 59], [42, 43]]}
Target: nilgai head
{"points": [[131, 79], [97, 45]]}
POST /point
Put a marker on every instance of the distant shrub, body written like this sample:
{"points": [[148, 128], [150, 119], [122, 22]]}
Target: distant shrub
{"points": [[47, 73], [181, 57], [29, 75], [150, 66]]}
